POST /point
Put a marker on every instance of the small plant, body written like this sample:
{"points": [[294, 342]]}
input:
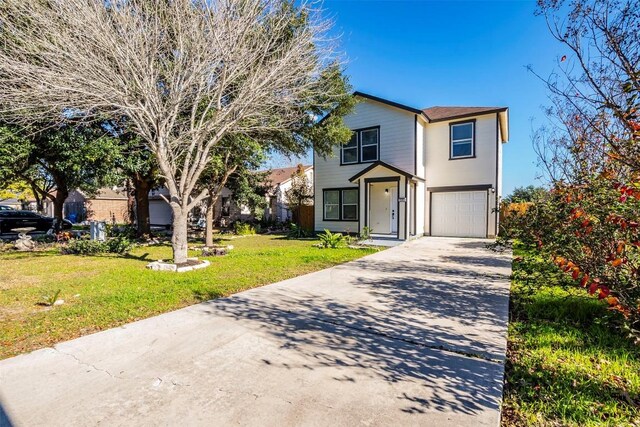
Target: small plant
{"points": [[330, 240], [365, 234], [50, 299], [297, 232], [245, 229]]}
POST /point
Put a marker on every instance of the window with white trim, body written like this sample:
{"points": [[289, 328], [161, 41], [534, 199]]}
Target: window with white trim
{"points": [[341, 204], [462, 136]]}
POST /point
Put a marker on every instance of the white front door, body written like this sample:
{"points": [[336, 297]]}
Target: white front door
{"points": [[393, 209]]}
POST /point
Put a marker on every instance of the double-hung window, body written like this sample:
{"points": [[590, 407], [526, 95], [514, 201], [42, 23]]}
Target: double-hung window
{"points": [[341, 204], [462, 140], [369, 145], [362, 148], [350, 150]]}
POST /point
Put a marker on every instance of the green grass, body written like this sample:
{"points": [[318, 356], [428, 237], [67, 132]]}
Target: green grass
{"points": [[567, 363], [105, 291]]}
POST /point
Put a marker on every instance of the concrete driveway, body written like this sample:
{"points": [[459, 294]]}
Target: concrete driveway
{"points": [[414, 335]]}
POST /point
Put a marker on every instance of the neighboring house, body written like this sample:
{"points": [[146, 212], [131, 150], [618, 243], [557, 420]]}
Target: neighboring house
{"points": [[108, 204], [280, 181], [410, 172]]}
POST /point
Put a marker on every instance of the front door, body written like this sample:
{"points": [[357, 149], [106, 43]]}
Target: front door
{"points": [[393, 209]]}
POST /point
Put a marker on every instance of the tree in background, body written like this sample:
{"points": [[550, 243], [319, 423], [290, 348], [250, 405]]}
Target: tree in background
{"points": [[19, 190], [300, 194], [185, 73], [138, 167], [233, 165], [526, 194], [55, 159]]}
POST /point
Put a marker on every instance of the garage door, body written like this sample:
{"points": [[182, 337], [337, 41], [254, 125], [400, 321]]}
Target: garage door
{"points": [[160, 212], [459, 214]]}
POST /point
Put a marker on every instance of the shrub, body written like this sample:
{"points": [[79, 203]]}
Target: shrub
{"points": [[330, 240], [244, 228], [297, 232], [116, 245], [592, 233]]}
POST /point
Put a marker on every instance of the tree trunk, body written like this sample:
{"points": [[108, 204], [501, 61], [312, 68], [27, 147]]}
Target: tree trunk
{"points": [[208, 233], [58, 204], [131, 202], [179, 237], [142, 187]]}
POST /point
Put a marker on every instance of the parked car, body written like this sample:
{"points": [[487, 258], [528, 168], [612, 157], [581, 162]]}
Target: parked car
{"points": [[11, 219], [6, 208]]}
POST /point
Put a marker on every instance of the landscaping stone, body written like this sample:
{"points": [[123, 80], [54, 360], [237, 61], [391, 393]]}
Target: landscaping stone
{"points": [[191, 264]]}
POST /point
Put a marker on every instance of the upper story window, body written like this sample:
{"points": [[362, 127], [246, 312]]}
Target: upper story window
{"points": [[350, 150], [369, 142], [462, 140], [363, 147]]}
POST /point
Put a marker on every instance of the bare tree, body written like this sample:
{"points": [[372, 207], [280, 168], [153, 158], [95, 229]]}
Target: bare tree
{"points": [[594, 90], [186, 73]]}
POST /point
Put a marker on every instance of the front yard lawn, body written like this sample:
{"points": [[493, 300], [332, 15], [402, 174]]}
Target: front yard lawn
{"points": [[101, 292], [566, 364]]}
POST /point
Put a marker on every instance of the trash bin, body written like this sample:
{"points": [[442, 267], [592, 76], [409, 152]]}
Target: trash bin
{"points": [[98, 230]]}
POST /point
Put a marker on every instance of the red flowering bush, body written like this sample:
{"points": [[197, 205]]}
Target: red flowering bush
{"points": [[591, 229]]}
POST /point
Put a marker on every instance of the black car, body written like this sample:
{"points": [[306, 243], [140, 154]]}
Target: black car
{"points": [[12, 219]]}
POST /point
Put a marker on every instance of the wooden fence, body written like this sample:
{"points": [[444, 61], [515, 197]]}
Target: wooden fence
{"points": [[304, 217]]}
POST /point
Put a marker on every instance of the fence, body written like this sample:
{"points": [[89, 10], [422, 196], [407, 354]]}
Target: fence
{"points": [[304, 217]]}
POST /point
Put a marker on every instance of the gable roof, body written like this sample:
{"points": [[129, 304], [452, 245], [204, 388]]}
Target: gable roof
{"points": [[278, 176], [439, 113], [380, 163], [386, 101], [436, 114]]}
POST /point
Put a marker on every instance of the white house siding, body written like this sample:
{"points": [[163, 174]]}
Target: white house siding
{"points": [[421, 162], [420, 208], [480, 170], [397, 132]]}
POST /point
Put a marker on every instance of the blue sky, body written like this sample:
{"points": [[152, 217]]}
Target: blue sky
{"points": [[426, 53]]}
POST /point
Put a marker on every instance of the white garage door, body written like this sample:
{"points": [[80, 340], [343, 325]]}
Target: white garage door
{"points": [[459, 214], [160, 212]]}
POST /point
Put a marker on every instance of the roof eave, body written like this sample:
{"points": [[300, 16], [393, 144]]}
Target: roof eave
{"points": [[466, 115]]}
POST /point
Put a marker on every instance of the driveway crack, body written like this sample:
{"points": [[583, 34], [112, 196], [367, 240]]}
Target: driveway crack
{"points": [[90, 365]]}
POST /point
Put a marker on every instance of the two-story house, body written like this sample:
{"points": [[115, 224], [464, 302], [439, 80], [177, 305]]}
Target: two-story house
{"points": [[410, 172]]}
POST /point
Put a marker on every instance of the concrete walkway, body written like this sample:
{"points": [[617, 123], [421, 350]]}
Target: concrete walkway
{"points": [[414, 335]]}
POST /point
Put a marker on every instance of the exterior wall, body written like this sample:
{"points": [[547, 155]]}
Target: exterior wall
{"points": [[420, 208], [397, 133], [479, 170], [421, 154], [107, 210]]}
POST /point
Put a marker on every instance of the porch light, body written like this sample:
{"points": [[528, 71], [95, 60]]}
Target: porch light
{"points": [[386, 191]]}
